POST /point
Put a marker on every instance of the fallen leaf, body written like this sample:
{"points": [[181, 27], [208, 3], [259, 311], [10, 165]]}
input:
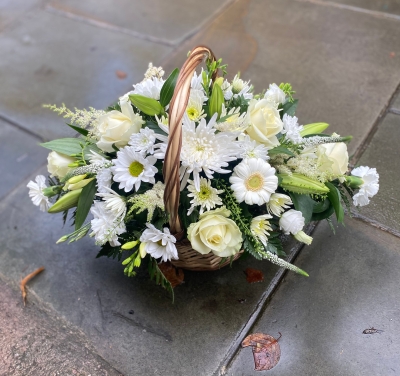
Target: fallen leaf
{"points": [[392, 54], [254, 275], [372, 330], [266, 350], [120, 74], [26, 280], [174, 275]]}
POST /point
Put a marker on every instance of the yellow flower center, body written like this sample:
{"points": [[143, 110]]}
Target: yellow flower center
{"points": [[204, 193], [193, 113], [136, 168], [254, 182]]}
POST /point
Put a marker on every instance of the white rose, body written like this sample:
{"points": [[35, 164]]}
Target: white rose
{"points": [[117, 127], [58, 164], [334, 154], [275, 94], [291, 222], [216, 233], [265, 122]]}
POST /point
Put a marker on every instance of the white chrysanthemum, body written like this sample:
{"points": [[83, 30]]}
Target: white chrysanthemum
{"points": [[253, 181], [292, 129], [194, 109], [114, 203], [275, 94], [370, 186], [104, 180], [204, 150], [143, 141], [227, 90], [149, 88], [95, 158], [196, 87], [106, 227], [292, 222], [260, 226], [158, 244], [252, 149], [131, 168], [241, 88], [207, 197], [36, 193], [234, 122], [278, 203]]}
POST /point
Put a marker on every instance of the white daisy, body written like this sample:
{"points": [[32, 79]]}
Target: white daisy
{"points": [[158, 244], [253, 181], [207, 197], [194, 108], [131, 168], [252, 149], [234, 121], [241, 88], [114, 203], [204, 150], [36, 193], [260, 226], [275, 94], [143, 141], [370, 186], [149, 88], [277, 203], [104, 180], [292, 129], [106, 227]]}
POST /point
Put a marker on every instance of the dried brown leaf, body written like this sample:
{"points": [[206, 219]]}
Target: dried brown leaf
{"points": [[26, 280], [254, 275], [120, 74], [174, 275]]}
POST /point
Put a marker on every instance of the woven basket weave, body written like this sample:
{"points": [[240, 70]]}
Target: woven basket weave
{"points": [[188, 257]]}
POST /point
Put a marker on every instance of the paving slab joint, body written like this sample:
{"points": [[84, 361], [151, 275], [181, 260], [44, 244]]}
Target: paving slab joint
{"points": [[21, 128], [372, 222]]}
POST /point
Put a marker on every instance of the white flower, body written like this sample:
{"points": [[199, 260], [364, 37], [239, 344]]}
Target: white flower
{"points": [[370, 186], [131, 168], [149, 88], [106, 227], [114, 203], [260, 226], [292, 129], [95, 158], [194, 109], [196, 86], [333, 157], [278, 203], [275, 94], [241, 88], [116, 127], [235, 122], [153, 71], [159, 244], [143, 141], [36, 193], [104, 180], [253, 181], [58, 164], [252, 149], [227, 90], [292, 222], [207, 197], [204, 150]]}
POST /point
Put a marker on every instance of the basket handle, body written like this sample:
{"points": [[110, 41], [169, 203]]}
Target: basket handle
{"points": [[176, 111]]}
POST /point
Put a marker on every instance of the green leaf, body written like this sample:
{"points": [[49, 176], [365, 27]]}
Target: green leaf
{"points": [[168, 88], [84, 203], [303, 203], [320, 207], [323, 214], [154, 127], [65, 146], [148, 106], [280, 150], [216, 101], [92, 147], [334, 198], [289, 108], [80, 130]]}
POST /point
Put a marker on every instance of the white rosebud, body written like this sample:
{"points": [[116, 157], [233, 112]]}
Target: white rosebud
{"points": [[58, 164], [292, 222], [275, 94]]}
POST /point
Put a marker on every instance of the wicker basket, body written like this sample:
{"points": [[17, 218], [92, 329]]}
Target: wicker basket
{"points": [[188, 257]]}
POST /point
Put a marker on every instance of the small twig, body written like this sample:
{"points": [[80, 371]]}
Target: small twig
{"points": [[26, 280]]}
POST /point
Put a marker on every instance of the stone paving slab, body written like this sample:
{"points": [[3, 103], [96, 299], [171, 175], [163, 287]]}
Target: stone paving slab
{"points": [[10, 10], [353, 286], [396, 103], [69, 62], [20, 155], [386, 6], [34, 343], [382, 153], [169, 22], [338, 61]]}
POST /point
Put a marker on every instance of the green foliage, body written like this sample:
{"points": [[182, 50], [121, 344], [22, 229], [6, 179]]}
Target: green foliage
{"points": [[280, 150], [288, 90], [334, 198], [148, 106], [160, 279], [322, 210], [83, 132], [289, 108], [109, 251], [154, 127], [84, 203], [131, 262], [184, 205], [67, 146], [167, 90], [303, 203], [76, 235], [239, 102], [216, 101]]}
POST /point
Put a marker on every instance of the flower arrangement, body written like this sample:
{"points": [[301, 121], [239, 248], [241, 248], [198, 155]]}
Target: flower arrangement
{"points": [[196, 167]]}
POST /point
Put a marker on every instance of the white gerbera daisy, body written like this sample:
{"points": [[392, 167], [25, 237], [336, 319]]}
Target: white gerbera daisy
{"points": [[143, 141], [260, 226], [105, 225], [114, 202], [241, 88], [131, 168], [292, 129], [207, 197], [149, 88], [194, 109], [203, 150], [234, 121], [370, 186], [158, 244], [253, 181], [277, 203], [252, 149], [36, 193], [104, 180]]}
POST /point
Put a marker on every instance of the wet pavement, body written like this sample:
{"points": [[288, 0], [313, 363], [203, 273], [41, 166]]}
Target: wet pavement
{"points": [[343, 59]]}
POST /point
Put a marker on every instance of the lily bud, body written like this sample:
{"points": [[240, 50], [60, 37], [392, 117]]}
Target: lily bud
{"points": [[298, 183], [149, 106], [66, 202], [354, 182], [302, 237], [216, 101], [76, 179], [314, 128], [62, 239], [79, 184], [130, 245], [219, 81], [51, 191]]}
